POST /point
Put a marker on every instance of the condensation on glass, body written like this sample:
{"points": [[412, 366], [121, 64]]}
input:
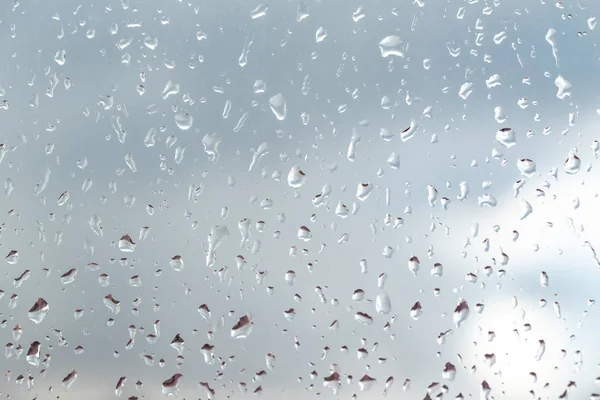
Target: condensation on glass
{"points": [[299, 199]]}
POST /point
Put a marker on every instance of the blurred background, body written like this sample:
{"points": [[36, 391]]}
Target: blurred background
{"points": [[255, 195]]}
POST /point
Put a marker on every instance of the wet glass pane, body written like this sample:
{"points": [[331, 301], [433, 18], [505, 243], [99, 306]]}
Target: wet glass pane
{"points": [[299, 199]]}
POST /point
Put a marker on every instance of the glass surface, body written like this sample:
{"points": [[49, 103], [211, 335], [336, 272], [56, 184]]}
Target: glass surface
{"points": [[299, 199]]}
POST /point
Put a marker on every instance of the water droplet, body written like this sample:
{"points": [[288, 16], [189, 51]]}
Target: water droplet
{"points": [[392, 46], [437, 270], [320, 35], [270, 361], [211, 143], [12, 257], [69, 276], [126, 244], [506, 137], [358, 295], [564, 87], [60, 57], [572, 164], [304, 234], [259, 87], [170, 387], [526, 209], [414, 265], [461, 312], [120, 385], [38, 312], [394, 161], [178, 343], [63, 199], [526, 167], [151, 42], [487, 200], [363, 191], [112, 304], [383, 303], [33, 354], [358, 14], [176, 263], [541, 349], [449, 372], [416, 311], [216, 236], [465, 90], [243, 328], [259, 11], [69, 380], [184, 121], [544, 280], [278, 106], [409, 132], [363, 318], [296, 177], [366, 382]]}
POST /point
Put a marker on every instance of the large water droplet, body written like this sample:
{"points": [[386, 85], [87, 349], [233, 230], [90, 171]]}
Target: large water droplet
{"points": [[38, 312], [449, 372], [184, 121], [416, 311], [526, 167], [383, 303], [170, 387], [392, 46], [243, 328], [126, 244], [12, 257], [296, 177], [461, 312], [278, 106], [69, 380], [572, 164], [506, 137]]}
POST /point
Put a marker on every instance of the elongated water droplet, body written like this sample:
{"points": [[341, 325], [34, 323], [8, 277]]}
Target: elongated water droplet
{"points": [[383, 303], [461, 312]]}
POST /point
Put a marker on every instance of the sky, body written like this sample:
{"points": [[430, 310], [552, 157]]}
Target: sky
{"points": [[187, 89]]}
